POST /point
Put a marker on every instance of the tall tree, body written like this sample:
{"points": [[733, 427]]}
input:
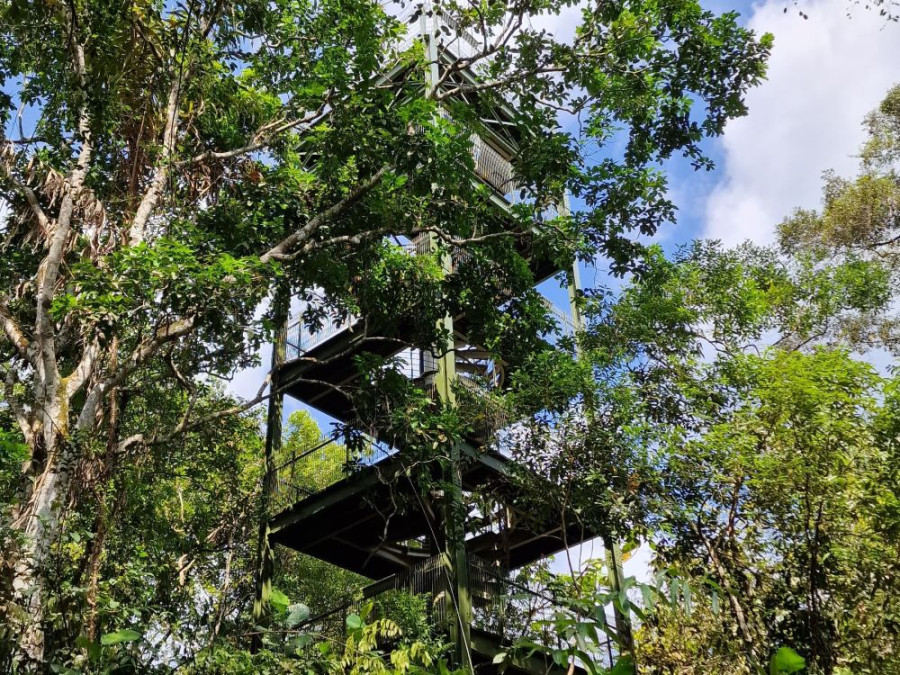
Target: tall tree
{"points": [[763, 475]]}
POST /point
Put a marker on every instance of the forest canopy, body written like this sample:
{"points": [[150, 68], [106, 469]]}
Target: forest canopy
{"points": [[178, 177]]}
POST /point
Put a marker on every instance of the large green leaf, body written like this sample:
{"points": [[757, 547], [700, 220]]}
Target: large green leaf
{"points": [[279, 600], [119, 636], [624, 666], [786, 660]]}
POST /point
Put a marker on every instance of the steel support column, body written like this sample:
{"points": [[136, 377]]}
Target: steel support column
{"points": [[265, 557]]}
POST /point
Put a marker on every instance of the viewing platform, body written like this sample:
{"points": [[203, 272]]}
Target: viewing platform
{"points": [[345, 507], [451, 529]]}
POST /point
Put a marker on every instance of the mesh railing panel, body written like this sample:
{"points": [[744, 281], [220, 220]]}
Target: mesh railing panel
{"points": [[302, 337], [313, 468]]}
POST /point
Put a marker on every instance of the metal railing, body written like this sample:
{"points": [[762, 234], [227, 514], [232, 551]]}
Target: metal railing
{"points": [[491, 165], [312, 468], [461, 42], [514, 610], [422, 244], [494, 168], [565, 325], [508, 609], [485, 414], [303, 337]]}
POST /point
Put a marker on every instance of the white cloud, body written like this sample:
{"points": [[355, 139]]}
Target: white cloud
{"points": [[560, 26], [825, 74]]}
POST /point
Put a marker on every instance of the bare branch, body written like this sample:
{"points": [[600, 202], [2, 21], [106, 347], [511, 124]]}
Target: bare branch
{"points": [[161, 172], [263, 138], [494, 84], [12, 400], [48, 271], [142, 353], [27, 192]]}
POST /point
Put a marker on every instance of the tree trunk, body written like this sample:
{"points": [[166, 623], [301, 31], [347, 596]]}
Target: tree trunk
{"points": [[38, 522], [265, 557]]}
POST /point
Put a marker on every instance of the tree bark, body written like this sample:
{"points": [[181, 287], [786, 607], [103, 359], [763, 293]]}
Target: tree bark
{"points": [[103, 520]]}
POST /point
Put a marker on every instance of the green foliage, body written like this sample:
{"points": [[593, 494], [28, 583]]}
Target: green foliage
{"points": [[766, 471], [380, 646], [119, 636], [786, 660]]}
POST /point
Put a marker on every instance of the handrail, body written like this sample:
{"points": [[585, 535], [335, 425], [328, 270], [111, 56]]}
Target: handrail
{"points": [[301, 339], [323, 464], [566, 325], [457, 36], [328, 440], [493, 168]]}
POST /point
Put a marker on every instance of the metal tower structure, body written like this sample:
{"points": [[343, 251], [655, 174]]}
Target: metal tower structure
{"points": [[327, 500]]}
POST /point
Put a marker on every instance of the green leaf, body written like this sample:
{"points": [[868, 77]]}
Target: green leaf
{"points": [[786, 660], [300, 642], [91, 647], [119, 636], [354, 622], [624, 666], [560, 657], [279, 600]]}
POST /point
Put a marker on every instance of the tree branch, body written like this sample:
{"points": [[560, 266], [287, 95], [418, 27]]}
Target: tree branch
{"points": [[161, 172], [263, 137], [28, 193], [83, 370], [495, 84], [281, 251], [48, 271], [9, 395], [142, 353], [14, 333]]}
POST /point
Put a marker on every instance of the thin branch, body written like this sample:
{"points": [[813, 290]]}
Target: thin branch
{"points": [[495, 84], [30, 197], [12, 400], [48, 271], [263, 138], [161, 172], [141, 354]]}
